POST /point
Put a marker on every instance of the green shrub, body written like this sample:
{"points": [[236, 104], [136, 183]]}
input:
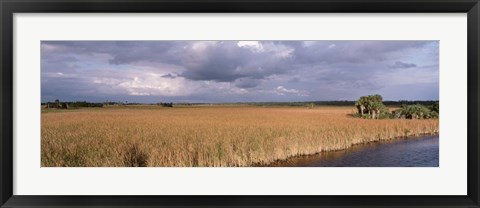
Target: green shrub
{"points": [[416, 111], [435, 108], [372, 107]]}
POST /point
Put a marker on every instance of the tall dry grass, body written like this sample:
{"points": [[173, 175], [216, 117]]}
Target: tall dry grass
{"points": [[207, 136]]}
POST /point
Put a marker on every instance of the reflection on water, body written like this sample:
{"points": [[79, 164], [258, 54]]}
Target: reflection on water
{"points": [[411, 152]]}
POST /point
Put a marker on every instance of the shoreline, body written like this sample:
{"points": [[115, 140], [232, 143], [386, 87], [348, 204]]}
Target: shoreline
{"points": [[398, 138]]}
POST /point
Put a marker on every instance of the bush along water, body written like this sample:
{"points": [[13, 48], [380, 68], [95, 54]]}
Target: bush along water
{"points": [[372, 107]]}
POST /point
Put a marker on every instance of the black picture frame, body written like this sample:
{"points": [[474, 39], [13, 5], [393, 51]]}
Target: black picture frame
{"points": [[9, 7]]}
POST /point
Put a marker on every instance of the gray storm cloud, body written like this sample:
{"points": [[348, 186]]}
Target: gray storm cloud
{"points": [[228, 71], [402, 65]]}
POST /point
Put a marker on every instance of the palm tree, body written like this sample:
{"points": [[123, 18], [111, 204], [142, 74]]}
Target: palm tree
{"points": [[371, 105]]}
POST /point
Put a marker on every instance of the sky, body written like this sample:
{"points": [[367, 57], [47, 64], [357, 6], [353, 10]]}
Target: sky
{"points": [[238, 71]]}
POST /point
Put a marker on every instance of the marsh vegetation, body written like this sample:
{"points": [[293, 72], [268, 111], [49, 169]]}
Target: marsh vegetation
{"points": [[208, 136]]}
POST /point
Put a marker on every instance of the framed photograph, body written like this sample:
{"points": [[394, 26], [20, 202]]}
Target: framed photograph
{"points": [[266, 103]]}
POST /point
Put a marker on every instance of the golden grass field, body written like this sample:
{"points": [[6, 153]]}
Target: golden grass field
{"points": [[220, 136]]}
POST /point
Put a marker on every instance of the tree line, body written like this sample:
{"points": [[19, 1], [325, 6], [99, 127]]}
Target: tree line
{"points": [[66, 105]]}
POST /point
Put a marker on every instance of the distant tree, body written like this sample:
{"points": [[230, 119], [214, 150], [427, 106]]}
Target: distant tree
{"points": [[166, 104], [310, 105], [371, 106], [435, 107], [418, 111]]}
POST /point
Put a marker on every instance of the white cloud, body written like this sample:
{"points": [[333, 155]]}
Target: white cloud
{"points": [[275, 49], [279, 50], [253, 45], [50, 48], [201, 46], [281, 90], [308, 43], [155, 85], [141, 81], [58, 75]]}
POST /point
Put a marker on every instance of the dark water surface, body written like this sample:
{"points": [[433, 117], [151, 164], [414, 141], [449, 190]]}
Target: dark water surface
{"points": [[411, 152]]}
